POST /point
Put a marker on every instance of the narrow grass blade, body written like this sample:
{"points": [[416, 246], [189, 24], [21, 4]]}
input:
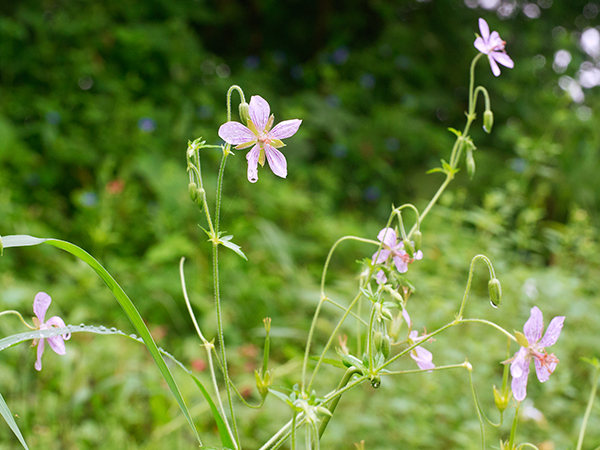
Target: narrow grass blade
{"points": [[10, 420], [126, 304]]}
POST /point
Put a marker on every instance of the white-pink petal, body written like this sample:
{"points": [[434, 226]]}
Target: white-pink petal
{"points": [[519, 363], [381, 256], [56, 321], [534, 326], [285, 129], [388, 237], [494, 65], [519, 385], [400, 263], [252, 158], [481, 45], [504, 59], [484, 29], [553, 332], [259, 111], [235, 133], [542, 372], [380, 278], [277, 161], [418, 255], [57, 344], [40, 352], [40, 305], [495, 42]]}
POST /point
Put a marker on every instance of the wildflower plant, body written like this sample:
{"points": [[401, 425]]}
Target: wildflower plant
{"points": [[385, 333]]}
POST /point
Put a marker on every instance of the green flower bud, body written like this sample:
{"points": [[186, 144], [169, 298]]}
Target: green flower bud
{"points": [[488, 121], [244, 112], [495, 290], [376, 382], [193, 191], [470, 164], [408, 248], [378, 340], [386, 346], [417, 238]]}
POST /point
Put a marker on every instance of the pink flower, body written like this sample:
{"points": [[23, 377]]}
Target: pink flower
{"points": [[422, 357], [40, 306], [391, 248], [544, 363], [258, 133], [493, 46]]}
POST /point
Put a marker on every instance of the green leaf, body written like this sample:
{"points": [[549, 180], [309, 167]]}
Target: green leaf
{"points": [[434, 170], [10, 420], [330, 361], [223, 432], [454, 131], [126, 304], [226, 241]]}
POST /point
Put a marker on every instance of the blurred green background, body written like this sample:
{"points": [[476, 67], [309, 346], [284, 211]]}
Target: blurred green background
{"points": [[97, 102]]}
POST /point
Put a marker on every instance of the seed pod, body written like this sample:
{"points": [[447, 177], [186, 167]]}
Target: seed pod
{"points": [[378, 340], [386, 346], [495, 290], [470, 164], [193, 191]]}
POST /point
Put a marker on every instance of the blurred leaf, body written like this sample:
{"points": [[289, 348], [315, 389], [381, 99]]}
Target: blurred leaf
{"points": [[10, 420]]}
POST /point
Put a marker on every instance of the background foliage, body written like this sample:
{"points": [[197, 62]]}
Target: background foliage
{"points": [[98, 100]]}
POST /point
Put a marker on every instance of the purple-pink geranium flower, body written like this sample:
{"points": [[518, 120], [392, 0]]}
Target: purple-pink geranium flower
{"points": [[40, 306], [544, 363], [422, 356], [493, 47], [258, 133], [393, 249]]}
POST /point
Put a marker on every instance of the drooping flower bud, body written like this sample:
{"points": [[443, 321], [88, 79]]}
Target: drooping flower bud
{"points": [[193, 191], [417, 239], [378, 340], [244, 112], [495, 290], [386, 346], [488, 121]]}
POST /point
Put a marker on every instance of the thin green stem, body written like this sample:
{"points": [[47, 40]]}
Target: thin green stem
{"points": [[187, 301], [16, 313], [436, 368], [370, 339], [432, 202], [477, 408], [343, 382], [513, 429], [294, 430], [471, 270], [588, 410]]}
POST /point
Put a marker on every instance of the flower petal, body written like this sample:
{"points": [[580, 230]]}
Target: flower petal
{"points": [[259, 111], [553, 332], [58, 322], [400, 263], [276, 160], [40, 352], [57, 344], [285, 129], [493, 64], [504, 59], [388, 237], [495, 43], [252, 157], [519, 386], [380, 278], [381, 255], [423, 358], [542, 372], [520, 363], [480, 45], [235, 133], [418, 255], [534, 326], [40, 305], [406, 317], [484, 29]]}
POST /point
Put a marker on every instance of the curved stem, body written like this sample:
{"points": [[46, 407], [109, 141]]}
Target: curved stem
{"points": [[16, 313], [187, 301], [468, 288], [343, 382]]}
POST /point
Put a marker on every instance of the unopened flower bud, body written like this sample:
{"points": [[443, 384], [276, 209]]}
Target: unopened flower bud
{"points": [[193, 191], [408, 248], [470, 164], [488, 121], [495, 290], [244, 112], [501, 398], [417, 238], [378, 340], [386, 346]]}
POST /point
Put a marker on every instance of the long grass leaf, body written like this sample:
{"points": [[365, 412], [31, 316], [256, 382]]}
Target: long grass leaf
{"points": [[124, 301], [10, 420]]}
